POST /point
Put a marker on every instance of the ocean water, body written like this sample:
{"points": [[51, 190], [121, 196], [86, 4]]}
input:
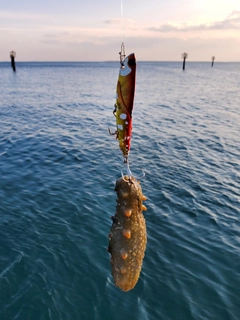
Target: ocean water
{"points": [[58, 167]]}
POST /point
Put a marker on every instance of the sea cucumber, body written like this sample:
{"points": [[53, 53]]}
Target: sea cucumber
{"points": [[128, 235]]}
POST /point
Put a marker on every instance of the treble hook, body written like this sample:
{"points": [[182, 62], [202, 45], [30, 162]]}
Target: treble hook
{"points": [[129, 172], [112, 133], [114, 113]]}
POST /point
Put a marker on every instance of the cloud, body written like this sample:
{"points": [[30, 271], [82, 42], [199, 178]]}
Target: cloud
{"points": [[232, 22], [112, 21], [50, 35], [119, 21], [56, 35]]}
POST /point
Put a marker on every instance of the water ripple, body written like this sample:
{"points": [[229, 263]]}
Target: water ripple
{"points": [[58, 168]]}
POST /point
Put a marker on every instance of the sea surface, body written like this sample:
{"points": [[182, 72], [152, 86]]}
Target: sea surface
{"points": [[58, 168]]}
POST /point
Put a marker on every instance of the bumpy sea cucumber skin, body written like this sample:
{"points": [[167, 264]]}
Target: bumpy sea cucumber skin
{"points": [[128, 236]]}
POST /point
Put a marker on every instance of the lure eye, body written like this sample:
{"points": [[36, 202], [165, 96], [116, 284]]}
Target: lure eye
{"points": [[131, 62]]}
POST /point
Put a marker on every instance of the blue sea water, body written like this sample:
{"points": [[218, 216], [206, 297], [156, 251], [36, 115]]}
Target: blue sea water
{"points": [[58, 167]]}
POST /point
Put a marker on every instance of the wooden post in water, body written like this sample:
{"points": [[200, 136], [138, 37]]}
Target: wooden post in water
{"points": [[12, 56], [184, 56], [213, 58]]}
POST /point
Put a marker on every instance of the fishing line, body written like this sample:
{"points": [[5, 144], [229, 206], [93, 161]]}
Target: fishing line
{"points": [[122, 52], [122, 21]]}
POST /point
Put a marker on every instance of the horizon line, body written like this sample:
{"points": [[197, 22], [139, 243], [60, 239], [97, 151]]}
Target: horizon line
{"points": [[104, 61]]}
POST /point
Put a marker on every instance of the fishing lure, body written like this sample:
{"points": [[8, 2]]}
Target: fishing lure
{"points": [[124, 101], [128, 236]]}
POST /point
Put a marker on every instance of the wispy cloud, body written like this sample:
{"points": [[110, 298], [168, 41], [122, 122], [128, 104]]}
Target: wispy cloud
{"points": [[119, 21], [232, 22], [56, 35]]}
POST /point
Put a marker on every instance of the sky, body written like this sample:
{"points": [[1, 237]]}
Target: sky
{"points": [[93, 30]]}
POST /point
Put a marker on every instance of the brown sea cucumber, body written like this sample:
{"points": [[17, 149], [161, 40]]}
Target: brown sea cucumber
{"points": [[128, 236]]}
